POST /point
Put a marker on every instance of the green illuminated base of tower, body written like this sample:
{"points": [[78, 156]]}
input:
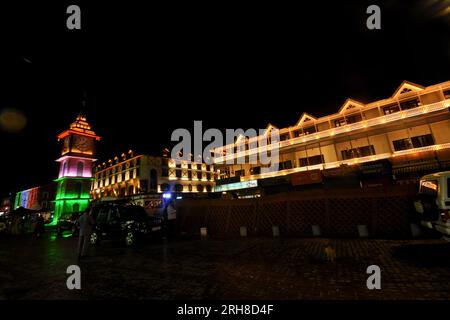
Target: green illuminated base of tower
{"points": [[64, 207]]}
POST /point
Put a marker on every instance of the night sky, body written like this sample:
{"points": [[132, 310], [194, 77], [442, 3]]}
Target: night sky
{"points": [[149, 70]]}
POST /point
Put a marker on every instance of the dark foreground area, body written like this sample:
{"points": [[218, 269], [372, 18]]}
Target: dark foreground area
{"points": [[253, 268]]}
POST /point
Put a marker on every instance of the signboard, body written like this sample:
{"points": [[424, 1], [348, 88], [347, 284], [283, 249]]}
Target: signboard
{"points": [[236, 186], [276, 181], [306, 177], [228, 180]]}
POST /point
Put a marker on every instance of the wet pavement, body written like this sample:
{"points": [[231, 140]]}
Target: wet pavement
{"points": [[225, 269]]}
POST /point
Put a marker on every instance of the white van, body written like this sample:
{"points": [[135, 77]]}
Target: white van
{"points": [[432, 202]]}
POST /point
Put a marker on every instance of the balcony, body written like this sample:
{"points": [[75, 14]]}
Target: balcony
{"points": [[389, 118]]}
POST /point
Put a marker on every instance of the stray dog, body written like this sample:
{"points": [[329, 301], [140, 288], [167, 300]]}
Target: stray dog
{"points": [[330, 254]]}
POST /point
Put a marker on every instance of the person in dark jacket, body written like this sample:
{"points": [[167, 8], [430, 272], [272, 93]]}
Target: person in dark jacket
{"points": [[39, 228]]}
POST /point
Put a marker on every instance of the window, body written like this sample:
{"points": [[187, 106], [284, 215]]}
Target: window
{"points": [[164, 172], [447, 94], [78, 189], [354, 118], [178, 173], [165, 187], [429, 187], [153, 179], [410, 104], [340, 122], [199, 188], [64, 168], [298, 133], [239, 173], [199, 167], [199, 175], [102, 216], [208, 176], [130, 190], [208, 188], [285, 165], [255, 170], [402, 144], [312, 161], [309, 130], [114, 215], [358, 152], [189, 175], [284, 137], [179, 188], [414, 142], [422, 141], [393, 108]]}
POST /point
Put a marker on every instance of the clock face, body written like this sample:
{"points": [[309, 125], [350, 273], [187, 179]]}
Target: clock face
{"points": [[82, 144]]}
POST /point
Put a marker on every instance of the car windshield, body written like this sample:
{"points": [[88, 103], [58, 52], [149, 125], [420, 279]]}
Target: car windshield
{"points": [[429, 187]]}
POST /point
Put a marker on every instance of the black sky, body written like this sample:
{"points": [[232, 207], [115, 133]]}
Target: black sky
{"points": [[148, 70]]}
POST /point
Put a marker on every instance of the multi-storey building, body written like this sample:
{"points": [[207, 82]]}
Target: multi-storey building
{"points": [[37, 198], [131, 175], [410, 129]]}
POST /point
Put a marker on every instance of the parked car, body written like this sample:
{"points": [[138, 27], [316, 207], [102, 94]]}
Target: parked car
{"points": [[68, 222], [123, 222], [432, 202]]}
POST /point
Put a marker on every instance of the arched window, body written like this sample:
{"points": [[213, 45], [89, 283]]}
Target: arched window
{"points": [[64, 173], [130, 190], [153, 179], [179, 188], [190, 188], [80, 169], [208, 188], [199, 188], [77, 189], [165, 187], [76, 207]]}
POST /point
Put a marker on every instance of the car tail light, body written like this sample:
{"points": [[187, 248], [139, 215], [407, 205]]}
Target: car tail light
{"points": [[445, 215]]}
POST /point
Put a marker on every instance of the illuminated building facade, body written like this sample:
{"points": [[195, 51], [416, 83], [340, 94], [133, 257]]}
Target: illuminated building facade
{"points": [[131, 175], [75, 173], [410, 130], [37, 198]]}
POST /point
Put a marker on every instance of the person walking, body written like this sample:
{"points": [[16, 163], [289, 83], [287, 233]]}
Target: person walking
{"points": [[39, 227], [86, 222]]}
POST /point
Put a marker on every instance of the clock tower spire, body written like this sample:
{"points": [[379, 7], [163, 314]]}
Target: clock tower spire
{"points": [[75, 172]]}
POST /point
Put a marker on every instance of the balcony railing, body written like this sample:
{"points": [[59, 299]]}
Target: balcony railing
{"points": [[354, 161], [340, 130]]}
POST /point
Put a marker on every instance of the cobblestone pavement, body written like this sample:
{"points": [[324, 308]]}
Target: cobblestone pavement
{"points": [[226, 269]]}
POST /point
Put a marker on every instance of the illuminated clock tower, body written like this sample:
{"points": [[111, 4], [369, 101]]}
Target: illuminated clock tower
{"points": [[75, 171]]}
